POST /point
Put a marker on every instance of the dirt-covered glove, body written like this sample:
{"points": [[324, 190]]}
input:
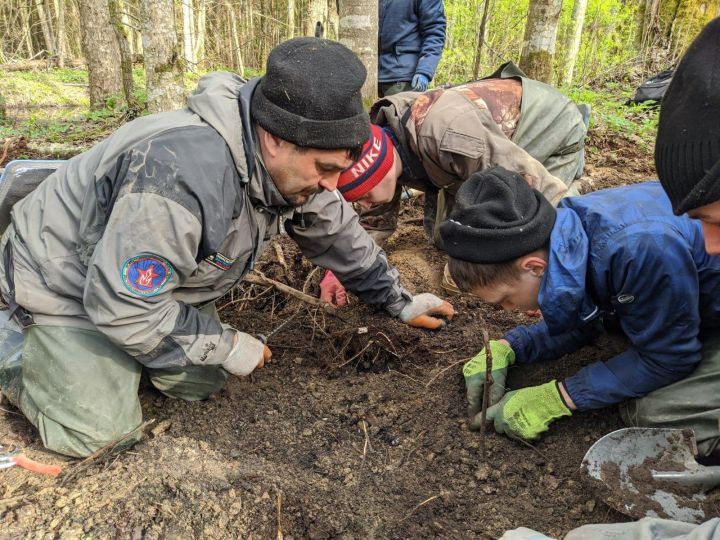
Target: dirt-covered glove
{"points": [[526, 413], [423, 309], [474, 372], [332, 291], [420, 82], [247, 354]]}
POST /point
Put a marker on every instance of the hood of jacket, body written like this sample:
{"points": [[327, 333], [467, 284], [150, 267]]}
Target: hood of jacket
{"points": [[566, 277], [222, 100]]}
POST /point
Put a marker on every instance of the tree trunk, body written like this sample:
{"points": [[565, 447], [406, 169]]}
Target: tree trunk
{"points": [[482, 37], [163, 66], [60, 46], [572, 43], [125, 58], [358, 30], [290, 19], [25, 14], [237, 52], [199, 47], [538, 52], [46, 28], [317, 12], [101, 51], [188, 31]]}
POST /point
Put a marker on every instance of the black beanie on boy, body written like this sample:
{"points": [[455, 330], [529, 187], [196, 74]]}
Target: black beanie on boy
{"points": [[687, 150], [497, 217], [310, 95]]}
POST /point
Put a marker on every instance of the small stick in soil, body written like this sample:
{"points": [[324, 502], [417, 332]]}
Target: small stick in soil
{"points": [[486, 388], [280, 256], [280, 535], [429, 499], [367, 438]]}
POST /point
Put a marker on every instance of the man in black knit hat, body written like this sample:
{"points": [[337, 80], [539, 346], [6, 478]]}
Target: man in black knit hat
{"points": [[618, 257], [112, 265]]}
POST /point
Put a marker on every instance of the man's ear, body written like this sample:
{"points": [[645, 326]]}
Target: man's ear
{"points": [[272, 144], [533, 263]]}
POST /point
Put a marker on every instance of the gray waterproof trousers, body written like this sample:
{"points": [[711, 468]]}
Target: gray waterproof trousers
{"points": [[693, 402], [81, 392]]}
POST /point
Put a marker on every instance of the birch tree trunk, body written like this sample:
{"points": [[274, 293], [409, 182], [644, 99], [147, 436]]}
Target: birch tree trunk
{"points": [[101, 51], [538, 52], [188, 30], [60, 44], [316, 12], [291, 19], [199, 45], [358, 30], [163, 65], [572, 43]]}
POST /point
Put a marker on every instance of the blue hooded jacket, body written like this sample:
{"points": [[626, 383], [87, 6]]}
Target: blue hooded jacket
{"points": [[412, 35], [621, 253]]}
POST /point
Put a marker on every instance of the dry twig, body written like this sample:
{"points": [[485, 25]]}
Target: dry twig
{"points": [[429, 499], [434, 377], [280, 256], [486, 387], [280, 535]]}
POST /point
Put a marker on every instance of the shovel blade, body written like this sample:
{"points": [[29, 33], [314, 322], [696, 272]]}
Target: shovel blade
{"points": [[621, 465]]}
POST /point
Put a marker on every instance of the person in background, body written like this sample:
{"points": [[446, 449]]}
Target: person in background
{"points": [[410, 43]]}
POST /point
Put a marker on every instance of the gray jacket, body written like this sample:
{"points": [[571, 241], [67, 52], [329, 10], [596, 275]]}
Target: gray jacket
{"points": [[167, 214]]}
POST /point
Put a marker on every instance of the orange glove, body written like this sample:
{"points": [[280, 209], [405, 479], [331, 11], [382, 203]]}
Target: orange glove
{"points": [[423, 309], [332, 291]]}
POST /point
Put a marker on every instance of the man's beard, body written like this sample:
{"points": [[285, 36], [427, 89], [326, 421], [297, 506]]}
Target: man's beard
{"points": [[298, 199]]}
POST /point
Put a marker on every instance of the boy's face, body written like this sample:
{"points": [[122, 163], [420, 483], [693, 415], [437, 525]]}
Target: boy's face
{"points": [[520, 293], [384, 191], [710, 217]]}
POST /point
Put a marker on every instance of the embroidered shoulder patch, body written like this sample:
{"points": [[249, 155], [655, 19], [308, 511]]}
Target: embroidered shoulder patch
{"points": [[146, 275], [218, 260]]}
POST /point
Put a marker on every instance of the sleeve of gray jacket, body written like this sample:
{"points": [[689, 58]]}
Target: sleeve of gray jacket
{"points": [[328, 232], [148, 250]]}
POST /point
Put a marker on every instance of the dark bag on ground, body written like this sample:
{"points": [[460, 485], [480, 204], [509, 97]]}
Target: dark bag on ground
{"points": [[653, 89]]}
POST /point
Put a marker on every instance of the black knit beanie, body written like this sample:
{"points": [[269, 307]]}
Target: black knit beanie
{"points": [[497, 218], [310, 95], [687, 151]]}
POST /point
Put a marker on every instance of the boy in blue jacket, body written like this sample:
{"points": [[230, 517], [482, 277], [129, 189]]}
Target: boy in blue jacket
{"points": [[617, 254]]}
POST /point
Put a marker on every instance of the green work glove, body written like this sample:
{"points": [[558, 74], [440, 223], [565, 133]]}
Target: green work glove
{"points": [[526, 413], [474, 372]]}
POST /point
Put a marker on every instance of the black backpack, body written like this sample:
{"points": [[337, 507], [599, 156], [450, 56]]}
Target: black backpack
{"points": [[653, 89]]}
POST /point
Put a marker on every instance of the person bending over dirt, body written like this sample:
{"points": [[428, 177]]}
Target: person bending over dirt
{"points": [[434, 141], [617, 257], [114, 262]]}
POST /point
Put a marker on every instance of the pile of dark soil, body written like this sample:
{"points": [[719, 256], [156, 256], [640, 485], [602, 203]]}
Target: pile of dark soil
{"points": [[357, 429]]}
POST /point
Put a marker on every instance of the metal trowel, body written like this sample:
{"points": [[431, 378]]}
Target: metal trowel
{"points": [[652, 472]]}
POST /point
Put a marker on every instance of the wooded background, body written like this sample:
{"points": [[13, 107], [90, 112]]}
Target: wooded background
{"points": [[565, 42]]}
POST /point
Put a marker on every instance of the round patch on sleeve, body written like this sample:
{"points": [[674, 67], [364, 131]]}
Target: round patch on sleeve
{"points": [[146, 275]]}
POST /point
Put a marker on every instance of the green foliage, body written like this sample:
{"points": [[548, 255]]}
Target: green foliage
{"points": [[611, 117]]}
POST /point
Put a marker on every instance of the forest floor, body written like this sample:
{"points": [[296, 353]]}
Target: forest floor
{"points": [[357, 428]]}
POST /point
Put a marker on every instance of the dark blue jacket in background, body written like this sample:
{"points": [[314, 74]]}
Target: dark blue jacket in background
{"points": [[412, 35], [621, 253]]}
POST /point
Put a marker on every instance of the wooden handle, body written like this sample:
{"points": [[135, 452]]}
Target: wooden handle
{"points": [[27, 463]]}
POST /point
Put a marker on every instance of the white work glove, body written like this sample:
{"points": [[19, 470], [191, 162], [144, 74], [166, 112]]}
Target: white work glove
{"points": [[247, 354], [421, 311]]}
